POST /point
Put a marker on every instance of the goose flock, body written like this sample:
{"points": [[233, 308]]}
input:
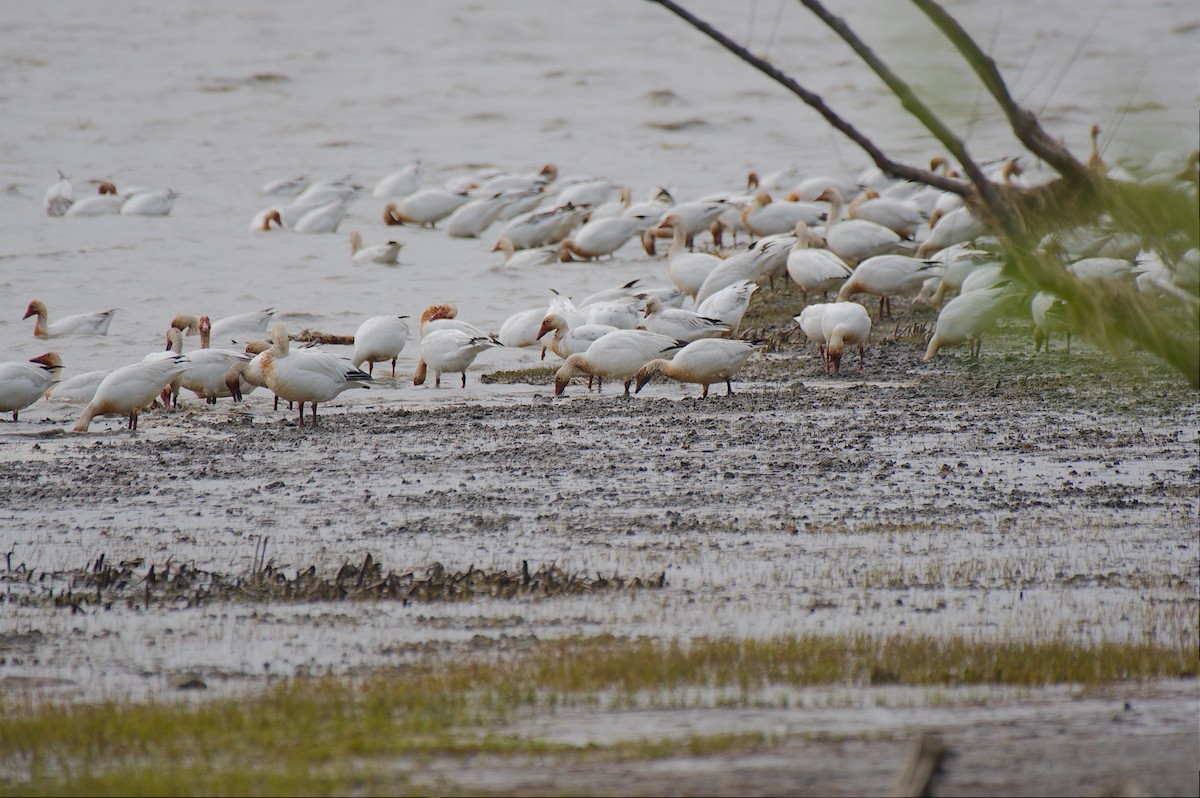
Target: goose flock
{"points": [[811, 234]]}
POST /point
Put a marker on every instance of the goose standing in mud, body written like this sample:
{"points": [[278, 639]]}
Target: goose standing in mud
{"points": [[567, 341], [450, 350], [81, 324], [886, 276], [305, 375], [703, 362], [809, 322], [814, 269], [684, 325], [129, 390], [24, 382], [967, 317], [617, 355], [378, 340], [842, 324]]}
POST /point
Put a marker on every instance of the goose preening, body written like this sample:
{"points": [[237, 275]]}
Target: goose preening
{"points": [[130, 389], [80, 324], [150, 203], [378, 340], [388, 254], [683, 325], [425, 208], [23, 382], [967, 317], [704, 362], [813, 269], [449, 350], [886, 276], [60, 196], [617, 355], [444, 317], [306, 375], [844, 324]]}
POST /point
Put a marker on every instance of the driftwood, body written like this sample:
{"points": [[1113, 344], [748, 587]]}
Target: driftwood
{"points": [[922, 767], [1166, 220]]}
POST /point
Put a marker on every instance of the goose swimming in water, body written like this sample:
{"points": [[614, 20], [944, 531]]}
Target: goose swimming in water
{"points": [[80, 324]]}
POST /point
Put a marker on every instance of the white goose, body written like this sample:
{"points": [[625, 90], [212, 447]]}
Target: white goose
{"points": [[683, 325], [603, 237], [425, 208], [401, 183], [285, 187], [78, 389], [24, 382], [207, 368], [729, 304], [130, 389], [306, 375], [150, 203], [568, 341], [521, 328], [81, 324], [60, 196], [956, 227], [388, 254], [106, 202], [810, 323], [813, 269], [765, 217], [1049, 315], [378, 340], [855, 240], [617, 355], [696, 217], [519, 259], [903, 218], [325, 218], [622, 314], [842, 324], [266, 221], [449, 350], [886, 276], [540, 228], [704, 362], [591, 194], [258, 321], [471, 218], [687, 270], [967, 317]]}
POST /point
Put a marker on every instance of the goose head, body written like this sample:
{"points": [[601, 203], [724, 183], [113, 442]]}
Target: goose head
{"points": [[36, 308], [187, 323]]}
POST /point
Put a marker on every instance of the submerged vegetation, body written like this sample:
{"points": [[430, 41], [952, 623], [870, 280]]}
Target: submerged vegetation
{"points": [[339, 735]]}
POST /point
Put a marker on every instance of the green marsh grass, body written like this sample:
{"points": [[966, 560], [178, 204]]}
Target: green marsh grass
{"points": [[335, 735]]}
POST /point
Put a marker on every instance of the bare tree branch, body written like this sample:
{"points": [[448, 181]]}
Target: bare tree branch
{"points": [[881, 160]]}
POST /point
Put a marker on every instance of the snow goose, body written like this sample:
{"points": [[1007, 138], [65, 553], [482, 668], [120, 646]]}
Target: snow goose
{"points": [[106, 202], [539, 228], [602, 237], [729, 304], [1114, 270], [521, 328], [150, 203], [618, 355], [306, 375], [568, 341], [245, 373], [683, 325], [960, 260], [449, 350], [258, 321], [842, 324], [170, 394], [130, 389], [60, 196], [81, 324], [325, 218], [618, 294], [696, 217], [765, 217], [1049, 315], [855, 240], [285, 186], [425, 208], [742, 266], [886, 276], [967, 317], [704, 362], [514, 259], [471, 218], [687, 270], [266, 221], [591, 194], [901, 217], [401, 183], [378, 340], [24, 382], [988, 275], [388, 254], [810, 323], [622, 314], [956, 227], [504, 182], [78, 389], [207, 368], [444, 317], [813, 269]]}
